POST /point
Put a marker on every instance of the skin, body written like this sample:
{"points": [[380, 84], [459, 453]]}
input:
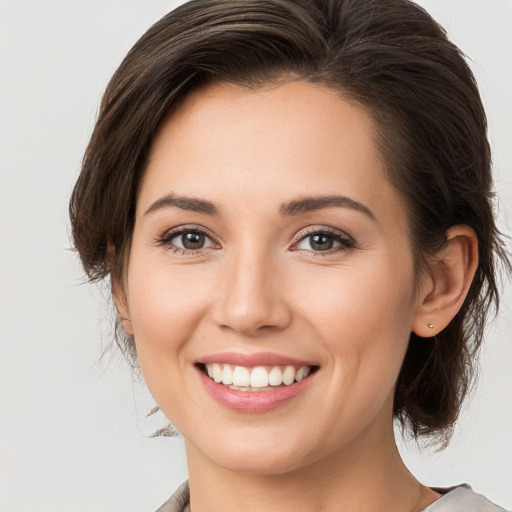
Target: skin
{"points": [[257, 285]]}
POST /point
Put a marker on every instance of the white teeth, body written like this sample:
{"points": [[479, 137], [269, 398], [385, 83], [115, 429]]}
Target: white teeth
{"points": [[275, 377], [241, 376], [299, 375], [289, 375], [217, 373], [227, 375], [302, 373], [257, 378]]}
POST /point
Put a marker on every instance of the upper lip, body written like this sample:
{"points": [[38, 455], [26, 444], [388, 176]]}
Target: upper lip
{"points": [[256, 359]]}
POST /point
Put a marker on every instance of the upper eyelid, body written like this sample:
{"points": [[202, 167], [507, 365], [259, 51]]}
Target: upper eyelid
{"points": [[322, 229], [172, 232]]}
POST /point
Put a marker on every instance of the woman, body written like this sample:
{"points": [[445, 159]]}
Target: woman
{"points": [[292, 201]]}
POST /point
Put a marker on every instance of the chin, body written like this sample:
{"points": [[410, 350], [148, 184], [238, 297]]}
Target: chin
{"points": [[263, 456], [259, 463]]}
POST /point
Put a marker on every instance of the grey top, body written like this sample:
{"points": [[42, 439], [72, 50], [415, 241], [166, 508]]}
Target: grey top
{"points": [[462, 499], [455, 499]]}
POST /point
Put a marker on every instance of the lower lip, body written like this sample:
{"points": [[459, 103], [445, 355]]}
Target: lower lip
{"points": [[253, 401]]}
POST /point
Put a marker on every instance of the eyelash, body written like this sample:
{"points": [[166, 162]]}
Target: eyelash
{"points": [[165, 239], [346, 243]]}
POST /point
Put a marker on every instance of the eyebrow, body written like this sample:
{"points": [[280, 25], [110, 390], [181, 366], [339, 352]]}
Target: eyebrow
{"points": [[296, 207], [184, 203], [310, 204]]}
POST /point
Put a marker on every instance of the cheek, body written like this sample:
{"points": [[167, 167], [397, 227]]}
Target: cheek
{"points": [[363, 323], [165, 305], [363, 317], [364, 297], [163, 299]]}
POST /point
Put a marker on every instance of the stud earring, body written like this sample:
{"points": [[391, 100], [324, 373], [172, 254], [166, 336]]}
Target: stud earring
{"points": [[430, 326]]}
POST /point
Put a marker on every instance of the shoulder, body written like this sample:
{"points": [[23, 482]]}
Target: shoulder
{"points": [[462, 499], [178, 502]]}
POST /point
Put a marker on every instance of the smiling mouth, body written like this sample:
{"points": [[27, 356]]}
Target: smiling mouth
{"points": [[256, 378]]}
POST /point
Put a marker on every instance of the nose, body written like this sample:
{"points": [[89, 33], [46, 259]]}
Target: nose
{"points": [[251, 298]]}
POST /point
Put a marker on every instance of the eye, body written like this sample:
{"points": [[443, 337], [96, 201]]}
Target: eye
{"points": [[187, 240], [325, 241], [190, 240]]}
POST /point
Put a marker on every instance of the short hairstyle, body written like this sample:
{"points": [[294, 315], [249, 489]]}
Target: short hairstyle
{"points": [[387, 56]]}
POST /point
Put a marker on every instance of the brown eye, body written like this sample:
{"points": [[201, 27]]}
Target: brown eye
{"points": [[193, 240], [321, 242], [187, 240], [324, 241]]}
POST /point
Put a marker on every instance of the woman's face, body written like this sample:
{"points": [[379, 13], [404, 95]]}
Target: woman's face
{"points": [[268, 237]]}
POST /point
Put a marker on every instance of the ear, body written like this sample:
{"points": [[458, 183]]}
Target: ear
{"points": [[119, 296], [122, 307], [444, 288]]}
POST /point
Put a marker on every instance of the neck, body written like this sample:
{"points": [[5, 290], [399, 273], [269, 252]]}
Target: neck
{"points": [[370, 477]]}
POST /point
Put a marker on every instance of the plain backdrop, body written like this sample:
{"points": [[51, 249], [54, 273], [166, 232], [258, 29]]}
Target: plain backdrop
{"points": [[74, 435]]}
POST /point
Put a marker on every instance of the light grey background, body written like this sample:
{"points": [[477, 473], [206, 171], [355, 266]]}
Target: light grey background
{"points": [[73, 432]]}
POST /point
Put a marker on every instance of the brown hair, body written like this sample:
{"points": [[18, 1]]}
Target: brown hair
{"points": [[391, 58]]}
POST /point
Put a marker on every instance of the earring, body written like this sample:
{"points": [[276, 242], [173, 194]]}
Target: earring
{"points": [[430, 326]]}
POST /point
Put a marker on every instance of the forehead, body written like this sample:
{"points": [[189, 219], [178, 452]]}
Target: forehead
{"points": [[272, 143]]}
